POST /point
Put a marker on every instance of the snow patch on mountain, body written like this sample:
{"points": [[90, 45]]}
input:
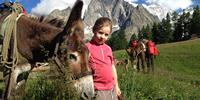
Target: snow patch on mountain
{"points": [[132, 3], [157, 10]]}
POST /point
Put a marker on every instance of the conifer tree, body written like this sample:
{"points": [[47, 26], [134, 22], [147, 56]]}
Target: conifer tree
{"points": [[174, 16], [174, 20], [118, 40], [155, 33], [182, 27], [164, 31], [187, 25], [195, 21], [179, 28], [167, 29], [146, 32]]}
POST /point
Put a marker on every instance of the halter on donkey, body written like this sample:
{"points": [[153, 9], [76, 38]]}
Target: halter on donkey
{"points": [[65, 46]]}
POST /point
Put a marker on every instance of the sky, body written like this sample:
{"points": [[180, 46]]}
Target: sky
{"points": [[44, 7]]}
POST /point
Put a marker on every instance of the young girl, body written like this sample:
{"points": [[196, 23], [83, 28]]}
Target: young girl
{"points": [[102, 63]]}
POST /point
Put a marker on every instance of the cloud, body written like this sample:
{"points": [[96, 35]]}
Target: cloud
{"points": [[44, 7], [172, 4]]}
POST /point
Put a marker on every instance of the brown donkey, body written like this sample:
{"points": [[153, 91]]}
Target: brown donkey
{"points": [[65, 46], [137, 55]]}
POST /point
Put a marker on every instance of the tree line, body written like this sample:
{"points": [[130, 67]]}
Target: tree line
{"points": [[178, 27]]}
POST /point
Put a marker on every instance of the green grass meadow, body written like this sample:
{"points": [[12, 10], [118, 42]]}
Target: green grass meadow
{"points": [[176, 76]]}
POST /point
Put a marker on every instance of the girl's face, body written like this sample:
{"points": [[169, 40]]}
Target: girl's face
{"points": [[101, 36]]}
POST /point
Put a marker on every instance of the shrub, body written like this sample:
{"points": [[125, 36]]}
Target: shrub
{"points": [[46, 89]]}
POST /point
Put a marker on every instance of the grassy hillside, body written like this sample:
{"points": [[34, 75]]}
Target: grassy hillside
{"points": [[176, 76]]}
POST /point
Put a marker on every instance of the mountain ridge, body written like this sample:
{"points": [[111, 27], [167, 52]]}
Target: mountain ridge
{"points": [[123, 15]]}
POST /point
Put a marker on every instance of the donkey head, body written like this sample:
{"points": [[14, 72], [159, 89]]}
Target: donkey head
{"points": [[74, 53]]}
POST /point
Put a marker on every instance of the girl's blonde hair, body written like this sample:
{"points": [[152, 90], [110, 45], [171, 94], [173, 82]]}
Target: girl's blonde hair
{"points": [[101, 22]]}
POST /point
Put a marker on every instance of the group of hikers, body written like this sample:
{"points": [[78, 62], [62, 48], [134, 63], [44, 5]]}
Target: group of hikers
{"points": [[152, 49], [141, 51], [101, 60]]}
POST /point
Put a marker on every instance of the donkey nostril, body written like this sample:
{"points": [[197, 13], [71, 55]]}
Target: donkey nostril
{"points": [[72, 57], [84, 96]]}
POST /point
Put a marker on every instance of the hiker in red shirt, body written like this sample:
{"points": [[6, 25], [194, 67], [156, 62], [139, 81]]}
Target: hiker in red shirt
{"points": [[134, 43], [102, 63], [152, 48]]}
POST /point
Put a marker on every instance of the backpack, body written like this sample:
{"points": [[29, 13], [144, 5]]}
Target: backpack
{"points": [[152, 48]]}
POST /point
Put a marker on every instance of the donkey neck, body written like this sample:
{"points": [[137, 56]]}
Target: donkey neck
{"points": [[40, 31]]}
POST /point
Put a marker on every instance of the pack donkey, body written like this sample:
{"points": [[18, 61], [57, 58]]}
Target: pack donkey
{"points": [[28, 38], [142, 53]]}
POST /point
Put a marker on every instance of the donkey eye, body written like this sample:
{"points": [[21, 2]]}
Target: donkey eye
{"points": [[78, 30], [72, 57]]}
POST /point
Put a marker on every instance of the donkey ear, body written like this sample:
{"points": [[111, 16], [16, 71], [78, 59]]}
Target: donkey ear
{"points": [[74, 15]]}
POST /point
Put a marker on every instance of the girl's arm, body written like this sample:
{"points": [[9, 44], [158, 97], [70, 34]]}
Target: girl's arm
{"points": [[118, 91]]}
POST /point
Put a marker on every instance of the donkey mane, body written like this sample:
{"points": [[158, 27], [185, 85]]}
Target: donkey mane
{"points": [[55, 21], [39, 36], [39, 28]]}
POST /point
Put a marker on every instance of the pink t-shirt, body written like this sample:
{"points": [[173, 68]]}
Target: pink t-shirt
{"points": [[100, 61]]}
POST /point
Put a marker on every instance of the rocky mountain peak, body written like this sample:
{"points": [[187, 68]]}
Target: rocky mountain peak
{"points": [[60, 14], [123, 14]]}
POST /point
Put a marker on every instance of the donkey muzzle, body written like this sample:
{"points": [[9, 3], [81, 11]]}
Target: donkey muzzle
{"points": [[85, 87]]}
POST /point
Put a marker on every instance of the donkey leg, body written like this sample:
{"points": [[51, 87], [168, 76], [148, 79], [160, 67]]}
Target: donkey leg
{"points": [[127, 61], [13, 91], [9, 83], [138, 65], [143, 60], [143, 66], [152, 63], [22, 76], [148, 64]]}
